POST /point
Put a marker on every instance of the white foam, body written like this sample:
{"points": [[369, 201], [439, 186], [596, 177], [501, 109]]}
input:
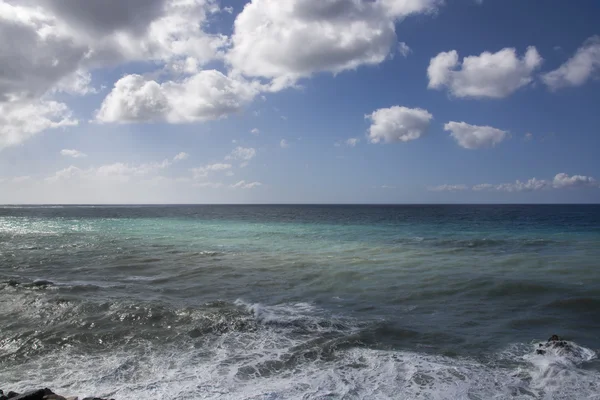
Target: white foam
{"points": [[270, 363], [253, 366]]}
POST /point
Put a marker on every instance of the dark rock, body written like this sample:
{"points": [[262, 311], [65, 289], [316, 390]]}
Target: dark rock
{"points": [[42, 283], [540, 352], [11, 394], [33, 395], [54, 397], [94, 398]]}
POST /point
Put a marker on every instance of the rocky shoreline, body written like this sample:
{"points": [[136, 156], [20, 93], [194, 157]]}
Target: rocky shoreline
{"points": [[41, 394]]}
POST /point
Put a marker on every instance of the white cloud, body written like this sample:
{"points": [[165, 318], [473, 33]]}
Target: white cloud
{"points": [[528, 136], [482, 186], [448, 188], [563, 180], [51, 46], [292, 39], [560, 181], [212, 185], [21, 179], [388, 187], [474, 136], [204, 96], [491, 75], [518, 186], [242, 154], [284, 144], [404, 49], [202, 172], [255, 131], [579, 68], [77, 83], [118, 171], [398, 124], [20, 120], [72, 153], [245, 185], [181, 156], [36, 52], [352, 142]]}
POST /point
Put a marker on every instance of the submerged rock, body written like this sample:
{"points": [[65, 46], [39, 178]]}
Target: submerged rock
{"points": [[32, 395], [41, 394]]}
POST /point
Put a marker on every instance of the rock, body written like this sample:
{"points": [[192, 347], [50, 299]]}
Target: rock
{"points": [[11, 394], [54, 397], [94, 398], [72, 398], [42, 283], [33, 395]]}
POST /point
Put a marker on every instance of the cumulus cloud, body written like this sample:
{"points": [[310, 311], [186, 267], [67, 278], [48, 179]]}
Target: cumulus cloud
{"points": [[288, 40], [284, 144], [584, 65], [352, 142], [202, 172], [245, 185], [398, 124], [51, 46], [449, 188], [491, 75], [181, 156], [72, 153], [204, 96], [518, 186], [255, 131], [118, 171], [404, 49], [474, 136], [560, 181], [244, 154], [563, 180], [20, 120], [36, 51]]}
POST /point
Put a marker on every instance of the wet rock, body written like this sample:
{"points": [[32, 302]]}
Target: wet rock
{"points": [[33, 395], [42, 283], [95, 398], [54, 397], [11, 395]]}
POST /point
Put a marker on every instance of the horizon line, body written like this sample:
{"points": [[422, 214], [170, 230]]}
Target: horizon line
{"points": [[293, 204]]}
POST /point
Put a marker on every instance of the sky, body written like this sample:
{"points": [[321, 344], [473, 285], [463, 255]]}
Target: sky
{"points": [[299, 101]]}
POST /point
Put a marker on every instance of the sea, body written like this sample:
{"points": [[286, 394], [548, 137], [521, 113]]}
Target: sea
{"points": [[301, 301]]}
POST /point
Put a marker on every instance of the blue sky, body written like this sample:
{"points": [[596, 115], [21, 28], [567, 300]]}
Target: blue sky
{"points": [[318, 101]]}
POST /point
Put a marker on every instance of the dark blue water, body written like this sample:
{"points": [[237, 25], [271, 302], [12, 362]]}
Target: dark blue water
{"points": [[278, 302]]}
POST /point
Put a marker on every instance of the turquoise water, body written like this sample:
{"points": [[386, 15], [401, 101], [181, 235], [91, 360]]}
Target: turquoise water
{"points": [[278, 302]]}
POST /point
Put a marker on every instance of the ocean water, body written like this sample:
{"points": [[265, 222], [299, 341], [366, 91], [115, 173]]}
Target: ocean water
{"points": [[300, 302]]}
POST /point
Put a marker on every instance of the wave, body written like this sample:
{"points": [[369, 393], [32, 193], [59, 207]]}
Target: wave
{"points": [[245, 350], [589, 304], [268, 368], [482, 243]]}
